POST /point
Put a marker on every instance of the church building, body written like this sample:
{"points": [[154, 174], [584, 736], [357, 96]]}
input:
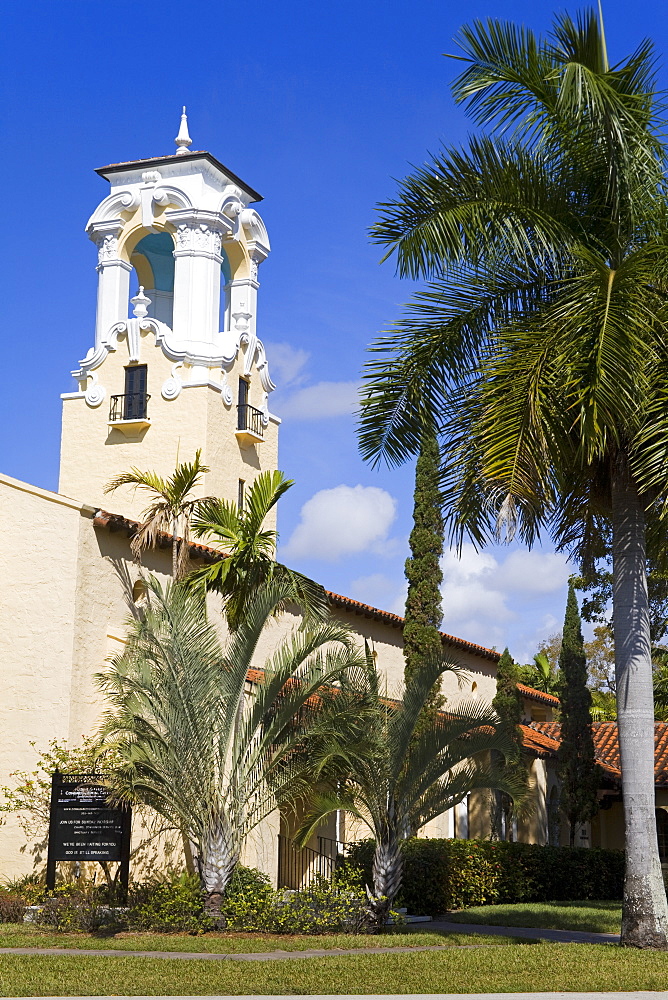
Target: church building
{"points": [[173, 364]]}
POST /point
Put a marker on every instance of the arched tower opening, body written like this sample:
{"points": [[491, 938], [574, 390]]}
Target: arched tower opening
{"points": [[153, 267]]}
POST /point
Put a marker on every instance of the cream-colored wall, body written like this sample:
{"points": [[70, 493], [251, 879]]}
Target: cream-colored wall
{"points": [[65, 593], [92, 453], [40, 545]]}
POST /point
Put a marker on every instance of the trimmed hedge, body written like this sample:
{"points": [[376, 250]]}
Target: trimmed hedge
{"points": [[441, 875]]}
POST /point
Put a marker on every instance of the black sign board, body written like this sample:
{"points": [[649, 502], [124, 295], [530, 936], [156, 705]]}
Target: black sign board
{"points": [[84, 827]]}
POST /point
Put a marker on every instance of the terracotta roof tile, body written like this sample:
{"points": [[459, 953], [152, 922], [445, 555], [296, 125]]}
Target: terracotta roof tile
{"points": [[357, 607], [606, 746], [538, 743], [535, 695]]}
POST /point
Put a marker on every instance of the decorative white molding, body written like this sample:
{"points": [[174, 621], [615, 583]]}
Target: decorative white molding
{"points": [[95, 393], [226, 390], [204, 209], [168, 194], [257, 240], [172, 386], [110, 207], [198, 241]]}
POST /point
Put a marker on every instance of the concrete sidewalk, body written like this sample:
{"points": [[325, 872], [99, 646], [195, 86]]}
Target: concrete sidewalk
{"points": [[537, 933], [251, 956]]}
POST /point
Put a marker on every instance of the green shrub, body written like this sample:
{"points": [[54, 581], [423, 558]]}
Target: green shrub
{"points": [[31, 888], [441, 875], [12, 907], [168, 906], [321, 908], [79, 907]]}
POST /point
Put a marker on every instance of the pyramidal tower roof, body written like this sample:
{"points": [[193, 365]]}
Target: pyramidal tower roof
{"points": [[182, 155]]}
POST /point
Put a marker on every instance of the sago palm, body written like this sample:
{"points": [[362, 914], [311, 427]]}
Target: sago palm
{"points": [[211, 754], [170, 511], [539, 345], [415, 766], [248, 550]]}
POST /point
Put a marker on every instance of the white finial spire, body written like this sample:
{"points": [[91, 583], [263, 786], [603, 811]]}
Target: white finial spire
{"points": [[183, 139], [141, 303]]}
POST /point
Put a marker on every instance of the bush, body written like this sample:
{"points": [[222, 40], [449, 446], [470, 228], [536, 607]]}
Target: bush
{"points": [[441, 875], [79, 907], [323, 907], [168, 906], [176, 905], [31, 888], [12, 907]]}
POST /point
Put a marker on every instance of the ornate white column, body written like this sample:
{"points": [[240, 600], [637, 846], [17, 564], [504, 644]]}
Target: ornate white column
{"points": [[198, 242], [113, 281]]}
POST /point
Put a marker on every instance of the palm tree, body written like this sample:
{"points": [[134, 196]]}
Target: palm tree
{"points": [[543, 669], [422, 765], [539, 345], [170, 510], [210, 756], [247, 557]]}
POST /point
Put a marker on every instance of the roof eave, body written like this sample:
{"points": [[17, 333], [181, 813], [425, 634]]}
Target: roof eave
{"points": [[156, 161]]}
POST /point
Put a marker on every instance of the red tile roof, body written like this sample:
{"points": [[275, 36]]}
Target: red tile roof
{"points": [[116, 522], [396, 621], [538, 743], [606, 745], [535, 695]]}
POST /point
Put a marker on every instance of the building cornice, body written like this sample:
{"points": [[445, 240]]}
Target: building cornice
{"points": [[156, 161], [58, 498]]}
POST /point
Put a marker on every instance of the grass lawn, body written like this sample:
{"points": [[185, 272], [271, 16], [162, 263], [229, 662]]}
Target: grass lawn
{"points": [[514, 968], [604, 916], [27, 936]]}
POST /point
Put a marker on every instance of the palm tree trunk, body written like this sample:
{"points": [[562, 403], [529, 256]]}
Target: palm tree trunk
{"points": [[387, 872], [645, 913], [219, 858]]}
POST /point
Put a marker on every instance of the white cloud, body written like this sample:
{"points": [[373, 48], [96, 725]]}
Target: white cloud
{"points": [[286, 363], [320, 401], [536, 572], [343, 521], [486, 597], [381, 591]]}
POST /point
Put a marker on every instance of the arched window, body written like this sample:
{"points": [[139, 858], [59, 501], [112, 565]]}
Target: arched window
{"points": [[153, 261]]}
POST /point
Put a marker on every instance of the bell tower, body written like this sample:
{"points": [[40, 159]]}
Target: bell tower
{"points": [[176, 363]]}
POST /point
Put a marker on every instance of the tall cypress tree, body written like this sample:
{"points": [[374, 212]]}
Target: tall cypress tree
{"points": [[424, 611], [508, 706], [576, 760]]}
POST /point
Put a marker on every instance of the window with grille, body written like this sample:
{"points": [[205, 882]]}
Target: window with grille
{"points": [[134, 403]]}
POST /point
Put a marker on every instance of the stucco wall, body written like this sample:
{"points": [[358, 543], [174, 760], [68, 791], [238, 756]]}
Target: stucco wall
{"points": [[92, 453], [67, 592], [40, 545]]}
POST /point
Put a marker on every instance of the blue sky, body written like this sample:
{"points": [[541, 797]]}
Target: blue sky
{"points": [[318, 106]]}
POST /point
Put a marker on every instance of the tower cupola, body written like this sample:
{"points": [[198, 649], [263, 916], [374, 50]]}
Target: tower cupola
{"points": [[179, 245]]}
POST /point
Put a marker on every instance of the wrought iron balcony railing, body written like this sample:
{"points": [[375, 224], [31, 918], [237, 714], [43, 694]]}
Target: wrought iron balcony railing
{"points": [[249, 419], [130, 406]]}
